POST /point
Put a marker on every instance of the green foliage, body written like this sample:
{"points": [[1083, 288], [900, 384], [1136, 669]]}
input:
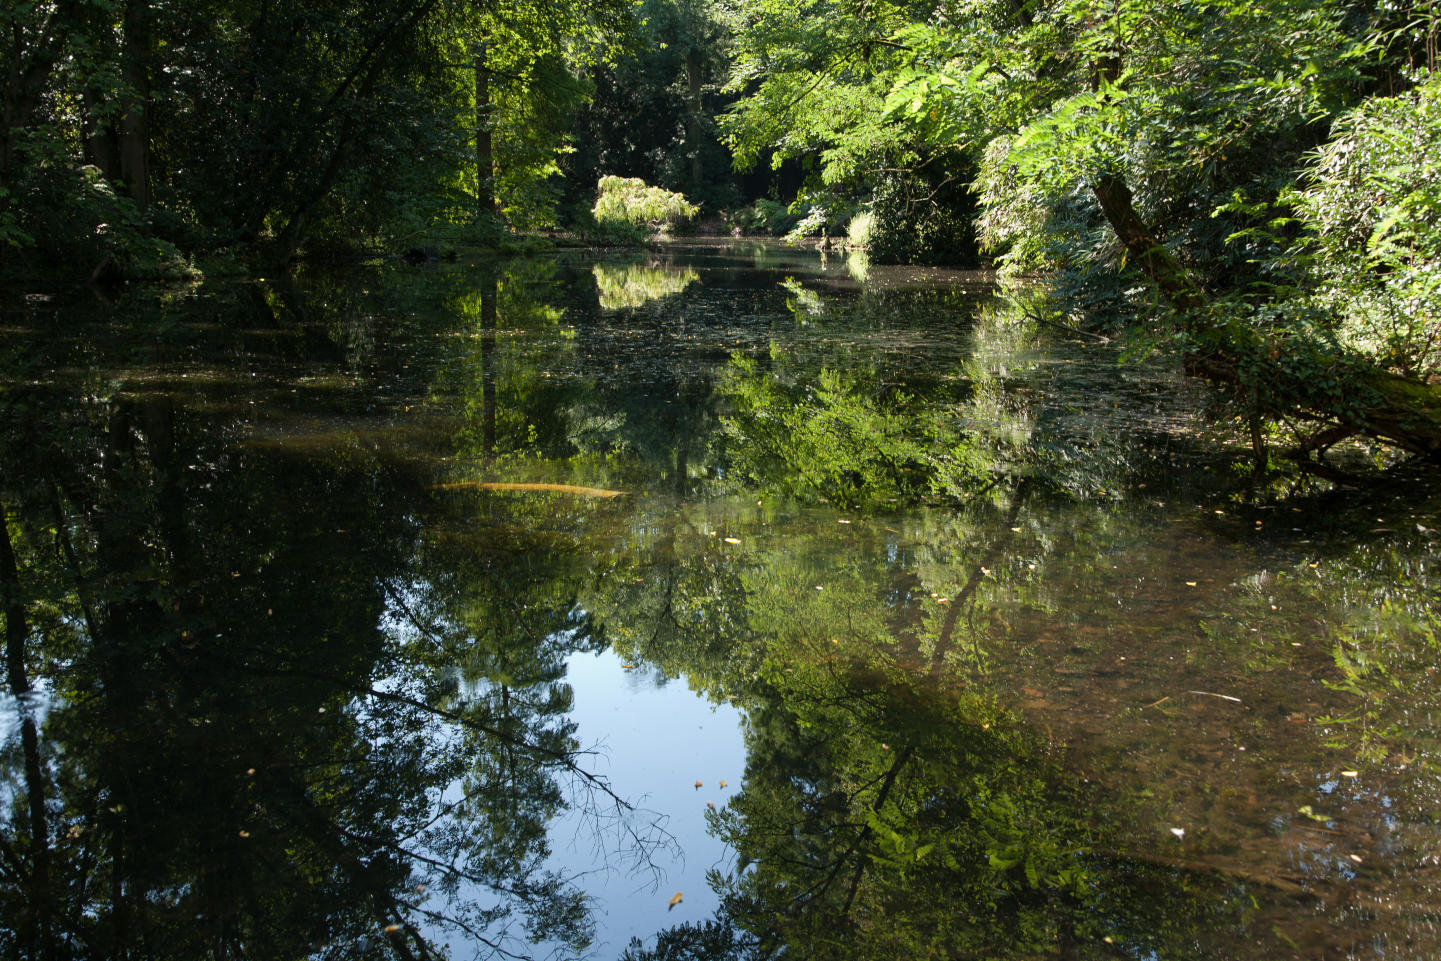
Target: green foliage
{"points": [[925, 217], [1370, 204], [765, 216], [277, 127], [845, 439], [860, 231], [629, 201], [668, 77]]}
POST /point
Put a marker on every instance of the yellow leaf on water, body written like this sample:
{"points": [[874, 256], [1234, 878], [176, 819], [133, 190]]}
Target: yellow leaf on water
{"points": [[674, 900]]}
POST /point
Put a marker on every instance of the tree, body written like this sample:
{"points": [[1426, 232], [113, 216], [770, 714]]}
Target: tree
{"points": [[1155, 140], [267, 126]]}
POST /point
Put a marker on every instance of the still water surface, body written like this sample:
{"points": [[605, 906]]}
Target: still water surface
{"points": [[484, 609]]}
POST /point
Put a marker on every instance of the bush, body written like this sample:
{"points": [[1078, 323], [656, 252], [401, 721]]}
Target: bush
{"points": [[1371, 203], [925, 217], [860, 230], [765, 216], [628, 200]]}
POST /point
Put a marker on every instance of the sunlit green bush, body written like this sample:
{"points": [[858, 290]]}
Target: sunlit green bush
{"points": [[628, 200], [1372, 205], [858, 231]]}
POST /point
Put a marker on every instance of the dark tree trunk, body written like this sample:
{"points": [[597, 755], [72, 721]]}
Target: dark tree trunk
{"points": [[101, 148], [486, 201], [134, 140]]}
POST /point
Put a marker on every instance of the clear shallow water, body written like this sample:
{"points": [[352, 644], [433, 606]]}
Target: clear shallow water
{"points": [[999, 649]]}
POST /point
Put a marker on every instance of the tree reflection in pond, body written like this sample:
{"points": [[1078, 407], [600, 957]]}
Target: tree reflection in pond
{"points": [[278, 719], [1028, 672]]}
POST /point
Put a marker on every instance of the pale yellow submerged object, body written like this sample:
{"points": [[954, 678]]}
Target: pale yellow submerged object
{"points": [[544, 488]]}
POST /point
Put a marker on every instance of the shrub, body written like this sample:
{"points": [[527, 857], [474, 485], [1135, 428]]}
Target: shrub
{"points": [[764, 216], [1371, 204], [628, 200], [860, 229], [925, 217]]}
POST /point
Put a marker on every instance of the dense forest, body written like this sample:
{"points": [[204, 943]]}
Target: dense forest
{"points": [[1252, 185]]}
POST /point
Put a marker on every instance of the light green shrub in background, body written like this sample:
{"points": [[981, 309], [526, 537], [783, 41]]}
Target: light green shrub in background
{"points": [[628, 200], [858, 231]]}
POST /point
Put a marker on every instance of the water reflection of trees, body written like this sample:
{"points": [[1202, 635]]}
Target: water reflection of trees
{"points": [[264, 709], [282, 675], [900, 799], [635, 285]]}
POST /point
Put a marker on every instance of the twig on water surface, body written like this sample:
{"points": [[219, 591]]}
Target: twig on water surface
{"points": [[1224, 697]]}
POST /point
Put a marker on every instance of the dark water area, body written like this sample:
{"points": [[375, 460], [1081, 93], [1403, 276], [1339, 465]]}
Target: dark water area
{"points": [[480, 611]]}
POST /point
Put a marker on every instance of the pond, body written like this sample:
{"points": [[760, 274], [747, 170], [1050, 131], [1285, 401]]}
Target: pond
{"points": [[727, 597]]}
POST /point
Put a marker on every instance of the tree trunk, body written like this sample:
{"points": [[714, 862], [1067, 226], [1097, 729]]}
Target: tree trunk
{"points": [[100, 148], [35, 929], [486, 201], [134, 139]]}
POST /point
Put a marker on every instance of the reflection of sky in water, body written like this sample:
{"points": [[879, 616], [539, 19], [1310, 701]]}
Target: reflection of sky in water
{"points": [[654, 743]]}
